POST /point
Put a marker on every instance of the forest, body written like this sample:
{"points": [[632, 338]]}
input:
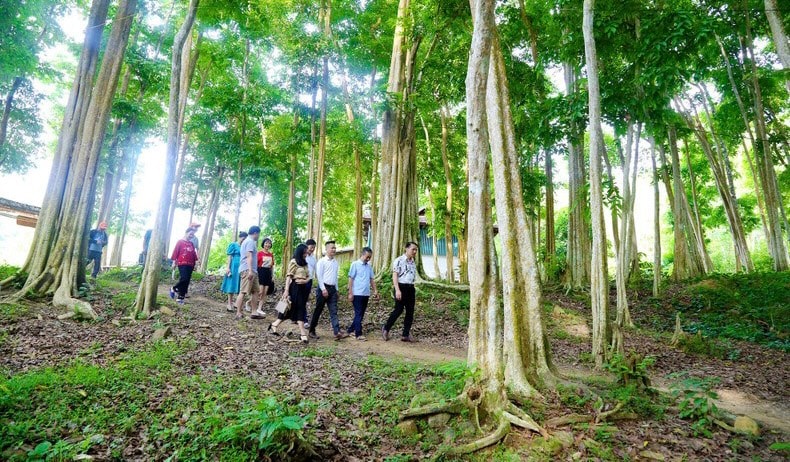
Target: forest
{"points": [[599, 192]]}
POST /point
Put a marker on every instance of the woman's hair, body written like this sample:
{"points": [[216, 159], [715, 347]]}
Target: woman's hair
{"points": [[299, 255], [265, 240], [242, 234]]}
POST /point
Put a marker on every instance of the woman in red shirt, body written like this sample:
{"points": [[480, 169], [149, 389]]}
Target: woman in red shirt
{"points": [[265, 274], [184, 256]]}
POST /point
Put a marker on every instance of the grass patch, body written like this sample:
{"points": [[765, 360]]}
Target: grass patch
{"points": [[81, 408], [12, 312], [752, 307], [315, 352]]}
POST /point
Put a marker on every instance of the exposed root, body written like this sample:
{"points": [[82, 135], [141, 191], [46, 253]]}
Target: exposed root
{"points": [[569, 419], [604, 415], [492, 438], [443, 285], [454, 406], [524, 419], [81, 308]]}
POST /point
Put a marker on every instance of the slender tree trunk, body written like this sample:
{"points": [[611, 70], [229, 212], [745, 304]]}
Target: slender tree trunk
{"points": [[434, 247], [149, 285], [288, 245], [448, 204], [599, 284], [311, 173], [697, 220], [656, 223], [779, 36], [630, 166], [776, 244], [321, 164], [9, 102], [551, 241], [688, 257], [358, 244], [120, 238], [55, 265], [208, 232]]}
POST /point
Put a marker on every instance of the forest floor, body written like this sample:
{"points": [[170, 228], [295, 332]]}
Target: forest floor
{"points": [[222, 389]]}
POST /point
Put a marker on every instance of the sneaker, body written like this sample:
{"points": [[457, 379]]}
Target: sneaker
{"points": [[385, 334], [340, 336], [172, 293], [230, 309], [408, 339], [313, 335], [180, 301], [361, 338], [257, 315]]}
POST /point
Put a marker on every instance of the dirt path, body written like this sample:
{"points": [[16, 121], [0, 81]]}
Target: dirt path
{"points": [[771, 414]]}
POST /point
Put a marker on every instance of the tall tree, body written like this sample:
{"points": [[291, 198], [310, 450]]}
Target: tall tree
{"points": [[599, 275], [149, 285]]}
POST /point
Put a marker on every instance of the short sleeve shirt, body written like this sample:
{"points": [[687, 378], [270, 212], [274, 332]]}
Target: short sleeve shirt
{"points": [[249, 245], [361, 274], [407, 270]]}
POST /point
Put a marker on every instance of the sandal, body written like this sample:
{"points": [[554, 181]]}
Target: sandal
{"points": [[272, 330], [304, 339]]}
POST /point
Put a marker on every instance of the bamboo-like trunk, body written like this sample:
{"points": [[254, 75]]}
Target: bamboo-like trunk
{"points": [[551, 240], [318, 208], [630, 166], [149, 285], [289, 222], [357, 171], [311, 173]]}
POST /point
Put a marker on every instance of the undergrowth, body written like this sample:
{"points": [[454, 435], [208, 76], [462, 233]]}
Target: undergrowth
{"points": [[81, 408]]}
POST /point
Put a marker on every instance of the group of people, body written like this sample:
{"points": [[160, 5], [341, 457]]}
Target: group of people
{"points": [[249, 273]]}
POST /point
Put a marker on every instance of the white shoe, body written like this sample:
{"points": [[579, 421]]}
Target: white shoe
{"points": [[247, 307]]}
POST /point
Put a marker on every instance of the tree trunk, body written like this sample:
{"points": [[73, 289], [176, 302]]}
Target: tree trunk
{"points": [[321, 164], [208, 232], [311, 173], [397, 220], [551, 241], [435, 248], [613, 211], [776, 244], [289, 223], [656, 223], [448, 204], [237, 208], [9, 102], [149, 285], [358, 244], [688, 256], [55, 264], [599, 275], [117, 249], [718, 167], [779, 36], [630, 167]]}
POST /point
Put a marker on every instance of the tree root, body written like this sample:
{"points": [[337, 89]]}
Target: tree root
{"points": [[454, 406], [81, 308], [524, 419], [492, 438], [443, 285], [604, 415]]}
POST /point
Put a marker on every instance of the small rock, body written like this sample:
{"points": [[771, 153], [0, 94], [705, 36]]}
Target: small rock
{"points": [[162, 333], [68, 315], [746, 425], [204, 326], [421, 399], [167, 311], [438, 420], [566, 438], [652, 455], [449, 435], [408, 428], [83, 457]]}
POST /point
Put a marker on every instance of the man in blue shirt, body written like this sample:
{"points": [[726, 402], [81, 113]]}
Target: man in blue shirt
{"points": [[97, 240], [360, 280]]}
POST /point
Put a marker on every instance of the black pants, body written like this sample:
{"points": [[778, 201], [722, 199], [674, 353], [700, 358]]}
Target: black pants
{"points": [[406, 302], [184, 276], [95, 257], [320, 302]]}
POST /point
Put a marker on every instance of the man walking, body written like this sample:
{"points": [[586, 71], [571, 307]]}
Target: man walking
{"points": [[97, 240], [360, 280], [404, 272], [326, 293], [248, 271]]}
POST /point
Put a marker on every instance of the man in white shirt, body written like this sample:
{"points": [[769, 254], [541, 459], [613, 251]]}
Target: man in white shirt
{"points": [[248, 270], [326, 293], [404, 272]]}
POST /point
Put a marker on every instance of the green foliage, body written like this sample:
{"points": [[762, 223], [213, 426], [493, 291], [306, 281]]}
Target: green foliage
{"points": [[316, 352], [67, 410], [695, 400], [704, 346], [754, 307], [121, 274], [10, 271], [218, 256], [12, 312]]}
